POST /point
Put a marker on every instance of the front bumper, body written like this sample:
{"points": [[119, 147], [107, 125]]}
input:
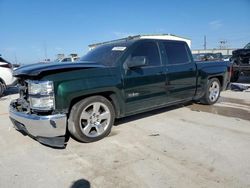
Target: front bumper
{"points": [[49, 130]]}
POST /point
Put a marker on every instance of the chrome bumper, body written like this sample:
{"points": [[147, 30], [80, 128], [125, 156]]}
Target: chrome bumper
{"points": [[42, 128]]}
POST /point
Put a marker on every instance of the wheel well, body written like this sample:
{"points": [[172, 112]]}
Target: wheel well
{"points": [[2, 81], [220, 78], [108, 95]]}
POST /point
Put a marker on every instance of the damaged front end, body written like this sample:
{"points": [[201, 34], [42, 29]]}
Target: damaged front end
{"points": [[33, 113]]}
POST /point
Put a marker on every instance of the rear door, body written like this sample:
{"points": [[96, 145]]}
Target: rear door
{"points": [[144, 87], [180, 71]]}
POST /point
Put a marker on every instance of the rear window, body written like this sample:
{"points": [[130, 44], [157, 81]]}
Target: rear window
{"points": [[176, 52]]}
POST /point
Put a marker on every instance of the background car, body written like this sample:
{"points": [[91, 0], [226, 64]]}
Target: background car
{"points": [[241, 62], [70, 58], [226, 57], [6, 78], [208, 57]]}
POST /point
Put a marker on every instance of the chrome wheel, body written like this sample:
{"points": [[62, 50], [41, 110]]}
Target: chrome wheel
{"points": [[94, 119], [214, 91]]}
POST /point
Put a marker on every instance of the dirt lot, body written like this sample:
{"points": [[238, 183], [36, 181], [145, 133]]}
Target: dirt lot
{"points": [[182, 146]]}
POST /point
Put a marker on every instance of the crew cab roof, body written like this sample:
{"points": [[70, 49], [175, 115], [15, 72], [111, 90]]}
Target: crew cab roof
{"points": [[138, 37]]}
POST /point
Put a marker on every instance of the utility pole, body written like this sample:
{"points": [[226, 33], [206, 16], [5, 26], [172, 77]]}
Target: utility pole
{"points": [[205, 42]]}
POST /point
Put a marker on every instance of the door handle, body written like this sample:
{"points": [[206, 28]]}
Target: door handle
{"points": [[159, 73], [191, 69]]}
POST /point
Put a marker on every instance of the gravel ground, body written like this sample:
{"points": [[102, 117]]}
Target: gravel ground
{"points": [[188, 145]]}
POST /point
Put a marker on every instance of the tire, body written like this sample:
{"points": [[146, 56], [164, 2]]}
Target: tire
{"points": [[235, 76], [2, 89], [91, 119], [212, 92]]}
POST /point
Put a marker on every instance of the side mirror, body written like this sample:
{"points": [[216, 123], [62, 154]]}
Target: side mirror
{"points": [[137, 61]]}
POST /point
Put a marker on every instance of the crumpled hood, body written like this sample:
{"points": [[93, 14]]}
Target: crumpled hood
{"points": [[38, 68]]}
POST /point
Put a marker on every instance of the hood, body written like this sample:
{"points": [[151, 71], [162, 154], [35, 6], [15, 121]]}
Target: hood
{"points": [[38, 68]]}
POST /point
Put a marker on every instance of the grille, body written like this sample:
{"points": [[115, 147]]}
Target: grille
{"points": [[23, 94]]}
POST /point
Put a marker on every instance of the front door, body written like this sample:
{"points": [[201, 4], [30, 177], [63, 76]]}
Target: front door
{"points": [[144, 87]]}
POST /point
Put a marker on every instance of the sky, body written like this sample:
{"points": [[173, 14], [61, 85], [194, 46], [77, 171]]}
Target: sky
{"points": [[30, 30]]}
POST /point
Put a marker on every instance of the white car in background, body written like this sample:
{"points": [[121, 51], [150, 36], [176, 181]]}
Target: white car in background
{"points": [[6, 77], [67, 59]]}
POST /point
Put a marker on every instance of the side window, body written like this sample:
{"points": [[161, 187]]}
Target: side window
{"points": [[176, 52], [150, 51]]}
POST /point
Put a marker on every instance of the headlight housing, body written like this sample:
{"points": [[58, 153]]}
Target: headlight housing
{"points": [[41, 95], [40, 87]]}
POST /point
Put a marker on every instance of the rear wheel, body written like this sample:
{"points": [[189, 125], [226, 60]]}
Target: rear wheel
{"points": [[2, 89], [212, 92], [91, 119]]}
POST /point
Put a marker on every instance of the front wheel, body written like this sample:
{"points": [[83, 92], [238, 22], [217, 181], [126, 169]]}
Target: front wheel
{"points": [[212, 92], [91, 119]]}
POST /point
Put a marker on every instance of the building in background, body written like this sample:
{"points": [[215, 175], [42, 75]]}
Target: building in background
{"points": [[71, 58], [227, 51], [222, 49]]}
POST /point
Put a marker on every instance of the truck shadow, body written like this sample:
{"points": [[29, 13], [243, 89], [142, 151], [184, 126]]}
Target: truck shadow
{"points": [[128, 119], [232, 110]]}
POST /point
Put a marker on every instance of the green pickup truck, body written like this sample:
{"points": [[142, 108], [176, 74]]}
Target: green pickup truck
{"points": [[111, 81]]}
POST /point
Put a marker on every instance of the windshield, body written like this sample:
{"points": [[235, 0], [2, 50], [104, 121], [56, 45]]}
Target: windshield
{"points": [[247, 46], [105, 54]]}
